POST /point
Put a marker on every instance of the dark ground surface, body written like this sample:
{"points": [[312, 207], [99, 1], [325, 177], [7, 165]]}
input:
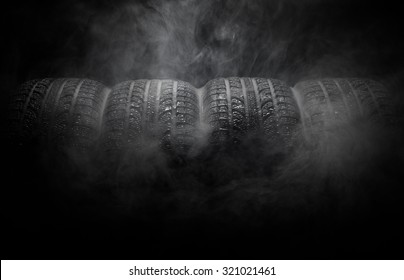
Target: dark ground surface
{"points": [[247, 203]]}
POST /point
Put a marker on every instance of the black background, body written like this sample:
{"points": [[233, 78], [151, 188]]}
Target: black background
{"points": [[318, 37], [313, 38]]}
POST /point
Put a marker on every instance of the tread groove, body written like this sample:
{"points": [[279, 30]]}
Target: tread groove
{"points": [[372, 94], [246, 105], [145, 99], [28, 99], [127, 111], [53, 114], [343, 98], [107, 91], [258, 101], [174, 111], [358, 102], [275, 103], [70, 119], [45, 99], [76, 93], [158, 93], [229, 108], [330, 108]]}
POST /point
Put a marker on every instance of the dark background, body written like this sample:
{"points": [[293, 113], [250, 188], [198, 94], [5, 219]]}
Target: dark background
{"points": [[113, 41], [116, 40]]}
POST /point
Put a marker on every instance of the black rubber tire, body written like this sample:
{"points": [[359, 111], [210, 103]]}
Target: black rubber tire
{"points": [[141, 110], [329, 101], [25, 109], [63, 112], [85, 113], [235, 106]]}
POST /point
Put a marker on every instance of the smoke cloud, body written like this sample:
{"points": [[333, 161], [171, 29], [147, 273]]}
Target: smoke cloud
{"points": [[195, 41]]}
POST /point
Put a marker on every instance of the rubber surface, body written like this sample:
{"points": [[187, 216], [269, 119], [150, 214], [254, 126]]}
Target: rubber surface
{"points": [[143, 110], [330, 101], [25, 109], [235, 106], [59, 111]]}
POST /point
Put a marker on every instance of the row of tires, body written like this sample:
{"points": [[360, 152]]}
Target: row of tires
{"points": [[85, 114]]}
